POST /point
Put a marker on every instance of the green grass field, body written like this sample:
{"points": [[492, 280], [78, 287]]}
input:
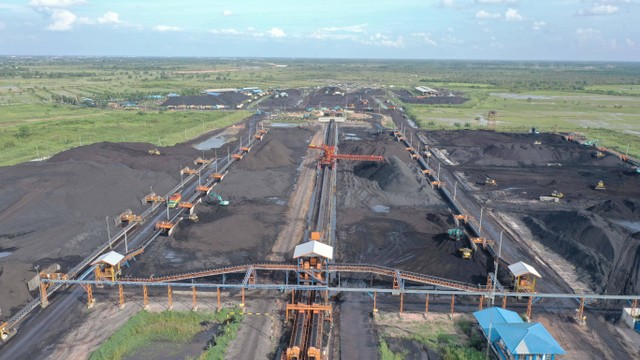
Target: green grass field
{"points": [[30, 131], [598, 99], [167, 326]]}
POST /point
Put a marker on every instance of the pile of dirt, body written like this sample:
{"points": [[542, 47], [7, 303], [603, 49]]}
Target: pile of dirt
{"points": [[618, 209], [393, 175]]}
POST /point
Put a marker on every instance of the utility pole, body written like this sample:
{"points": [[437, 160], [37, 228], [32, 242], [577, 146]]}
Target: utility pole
{"points": [[497, 264], [108, 231]]}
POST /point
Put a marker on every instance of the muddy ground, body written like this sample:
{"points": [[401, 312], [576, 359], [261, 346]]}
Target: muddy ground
{"points": [[595, 230]]}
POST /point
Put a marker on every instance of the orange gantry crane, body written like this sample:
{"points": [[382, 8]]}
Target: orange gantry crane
{"points": [[329, 156]]}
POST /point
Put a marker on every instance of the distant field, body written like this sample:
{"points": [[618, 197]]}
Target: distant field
{"points": [[30, 131], [614, 120], [41, 94]]}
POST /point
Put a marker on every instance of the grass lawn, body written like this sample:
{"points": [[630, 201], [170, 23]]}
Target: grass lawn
{"points": [[169, 326], [29, 131]]}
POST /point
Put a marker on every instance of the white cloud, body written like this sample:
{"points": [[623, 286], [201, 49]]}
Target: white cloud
{"points": [[227, 13], [385, 41], [426, 38], [512, 15], [537, 25], [447, 3], [55, 3], [166, 28], [496, 1], [588, 33], [62, 20], [109, 17], [276, 33], [351, 28], [631, 44], [230, 31], [599, 9], [487, 15]]}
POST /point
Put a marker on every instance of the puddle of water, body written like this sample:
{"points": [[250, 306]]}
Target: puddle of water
{"points": [[214, 142], [5, 253], [631, 225], [276, 200], [380, 209]]}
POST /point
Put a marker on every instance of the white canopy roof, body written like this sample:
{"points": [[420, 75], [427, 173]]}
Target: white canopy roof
{"points": [[520, 268], [313, 249], [112, 258]]}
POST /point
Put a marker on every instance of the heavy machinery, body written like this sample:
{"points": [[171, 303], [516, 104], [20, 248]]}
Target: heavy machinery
{"points": [[153, 152], [455, 234], [128, 217], [329, 156], [188, 171], [600, 185], [153, 197], [598, 154], [200, 161], [638, 170], [557, 194], [490, 181], [465, 252], [537, 142], [174, 200], [215, 197]]}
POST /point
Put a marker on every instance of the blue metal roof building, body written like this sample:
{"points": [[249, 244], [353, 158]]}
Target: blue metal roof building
{"points": [[514, 339]]}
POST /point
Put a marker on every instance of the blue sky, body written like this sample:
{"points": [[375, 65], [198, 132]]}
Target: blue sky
{"points": [[401, 29]]}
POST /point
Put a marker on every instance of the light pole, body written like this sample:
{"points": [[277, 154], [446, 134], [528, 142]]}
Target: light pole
{"points": [[480, 227], [438, 174], [455, 190], [495, 280], [126, 243], [108, 231]]}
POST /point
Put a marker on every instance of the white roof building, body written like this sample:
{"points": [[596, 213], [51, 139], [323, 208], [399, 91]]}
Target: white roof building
{"points": [[520, 268], [313, 249], [112, 258]]}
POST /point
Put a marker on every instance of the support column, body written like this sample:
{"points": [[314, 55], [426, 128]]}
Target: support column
{"points": [[44, 298], [242, 303], [121, 296], [375, 309], [529, 308], [401, 302], [581, 311], [481, 302], [90, 300], [453, 301], [293, 292], [426, 305], [170, 297], [194, 299], [218, 291], [504, 301], [145, 298]]}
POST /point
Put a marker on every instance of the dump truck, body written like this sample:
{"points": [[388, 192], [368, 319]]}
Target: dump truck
{"points": [[153, 152], [174, 200]]}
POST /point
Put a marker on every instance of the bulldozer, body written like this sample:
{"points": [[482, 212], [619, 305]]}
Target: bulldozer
{"points": [[455, 234], [215, 197], [557, 194], [491, 182], [600, 185], [465, 252], [598, 154], [153, 152]]}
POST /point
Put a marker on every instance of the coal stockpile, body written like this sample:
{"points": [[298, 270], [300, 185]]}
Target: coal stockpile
{"points": [[285, 100], [595, 230]]}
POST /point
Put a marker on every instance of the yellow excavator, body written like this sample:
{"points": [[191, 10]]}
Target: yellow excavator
{"points": [[465, 252], [600, 185], [557, 194]]}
